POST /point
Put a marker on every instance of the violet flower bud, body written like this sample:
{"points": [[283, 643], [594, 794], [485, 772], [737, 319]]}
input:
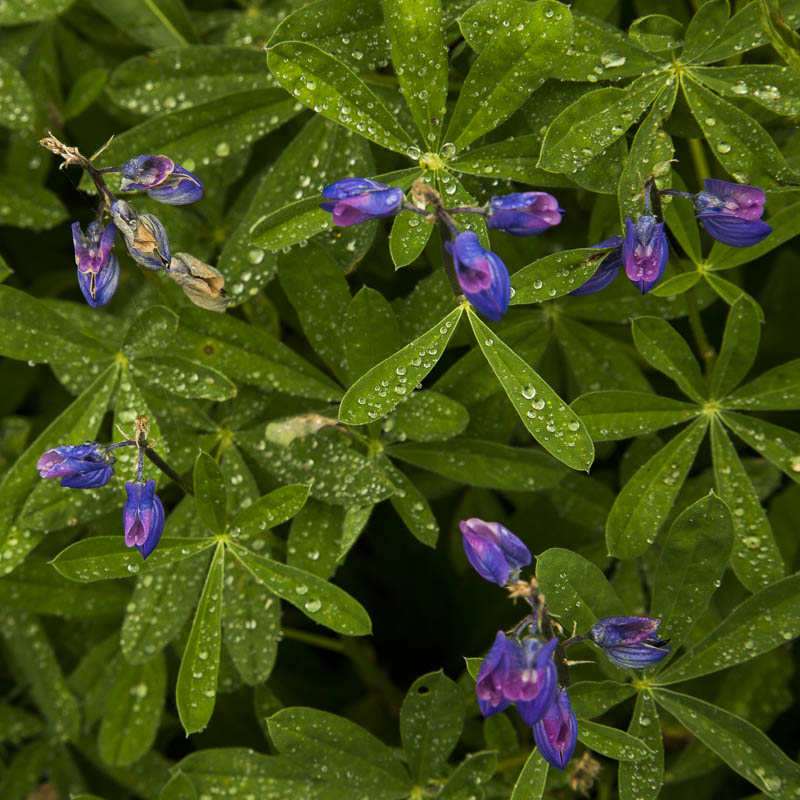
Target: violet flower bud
{"points": [[142, 516], [98, 267], [607, 270], [731, 213], [355, 200], [80, 466], [556, 733], [493, 673], [144, 235], [494, 552], [630, 642], [162, 179], [483, 277], [201, 283], [645, 251], [524, 213]]}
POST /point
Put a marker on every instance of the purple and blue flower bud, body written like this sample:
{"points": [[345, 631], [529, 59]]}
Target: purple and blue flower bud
{"points": [[481, 274], [556, 733], [142, 516], [80, 466], [492, 676], [608, 269], [162, 179], [144, 234], [495, 553], [524, 213], [630, 642], [355, 200], [731, 213], [645, 251], [98, 267]]}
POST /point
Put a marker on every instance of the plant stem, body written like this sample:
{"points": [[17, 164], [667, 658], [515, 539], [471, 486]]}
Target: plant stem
{"points": [[701, 167], [707, 352], [314, 639], [167, 470]]}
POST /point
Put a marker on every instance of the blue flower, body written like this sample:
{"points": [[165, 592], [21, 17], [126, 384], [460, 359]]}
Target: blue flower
{"points": [[483, 277], [556, 733], [98, 267], [357, 200], [524, 213], [162, 179], [731, 213], [608, 269], [80, 466], [494, 552], [142, 516], [644, 251], [144, 235], [630, 642]]}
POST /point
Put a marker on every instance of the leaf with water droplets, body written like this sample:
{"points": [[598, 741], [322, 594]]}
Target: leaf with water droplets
{"points": [[739, 346], [693, 558], [410, 234], [196, 687], [777, 389], [412, 506], [756, 560], [17, 111], [427, 417], [431, 720], [705, 29], [179, 787], [593, 698], [646, 499], [388, 383], [270, 510], [644, 779], [157, 23], [370, 331], [319, 534], [779, 445], [17, 12], [210, 496], [769, 85], [183, 378], [781, 35], [318, 599], [518, 58], [474, 772], [533, 778], [546, 416], [743, 747], [611, 742], [576, 589], [555, 275]]}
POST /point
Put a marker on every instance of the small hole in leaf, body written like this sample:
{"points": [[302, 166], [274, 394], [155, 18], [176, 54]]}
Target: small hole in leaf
{"points": [[423, 690]]}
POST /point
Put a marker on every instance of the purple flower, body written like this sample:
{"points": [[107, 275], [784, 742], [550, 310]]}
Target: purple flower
{"points": [[80, 466], [98, 267], [644, 251], [142, 516], [493, 550], [355, 200], [556, 733], [524, 673], [144, 235], [524, 213], [162, 179], [483, 277], [731, 213], [608, 269], [630, 642]]}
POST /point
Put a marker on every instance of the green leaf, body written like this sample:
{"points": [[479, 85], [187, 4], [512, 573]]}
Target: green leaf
{"points": [[764, 621], [546, 416], [179, 787], [657, 33], [666, 350], [516, 61], [316, 598], [370, 331], [756, 560], [576, 589], [184, 378], [705, 29], [104, 557], [419, 55], [679, 216], [412, 507], [769, 85], [85, 91], [611, 742], [785, 41], [737, 141], [18, 110], [533, 778], [742, 746], [643, 780], [341, 751], [196, 687], [381, 389], [270, 510], [17, 12], [353, 525], [23, 204], [210, 493], [152, 83], [593, 698], [155, 23], [133, 712], [486, 464], [431, 720], [326, 84], [252, 625], [615, 415], [690, 567], [27, 642], [779, 445], [677, 284], [24, 771], [321, 533], [207, 132], [474, 772], [555, 275], [594, 122], [427, 417], [777, 389], [410, 233], [646, 499]]}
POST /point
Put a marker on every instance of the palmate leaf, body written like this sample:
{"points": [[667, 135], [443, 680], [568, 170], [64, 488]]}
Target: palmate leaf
{"points": [[612, 742], [555, 275], [643, 779], [704, 29], [775, 390], [533, 778], [591, 699], [210, 493], [370, 331]]}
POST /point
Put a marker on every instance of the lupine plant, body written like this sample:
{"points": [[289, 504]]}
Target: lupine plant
{"points": [[351, 466]]}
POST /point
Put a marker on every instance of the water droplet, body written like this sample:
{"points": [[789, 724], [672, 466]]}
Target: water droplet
{"points": [[724, 147]]}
